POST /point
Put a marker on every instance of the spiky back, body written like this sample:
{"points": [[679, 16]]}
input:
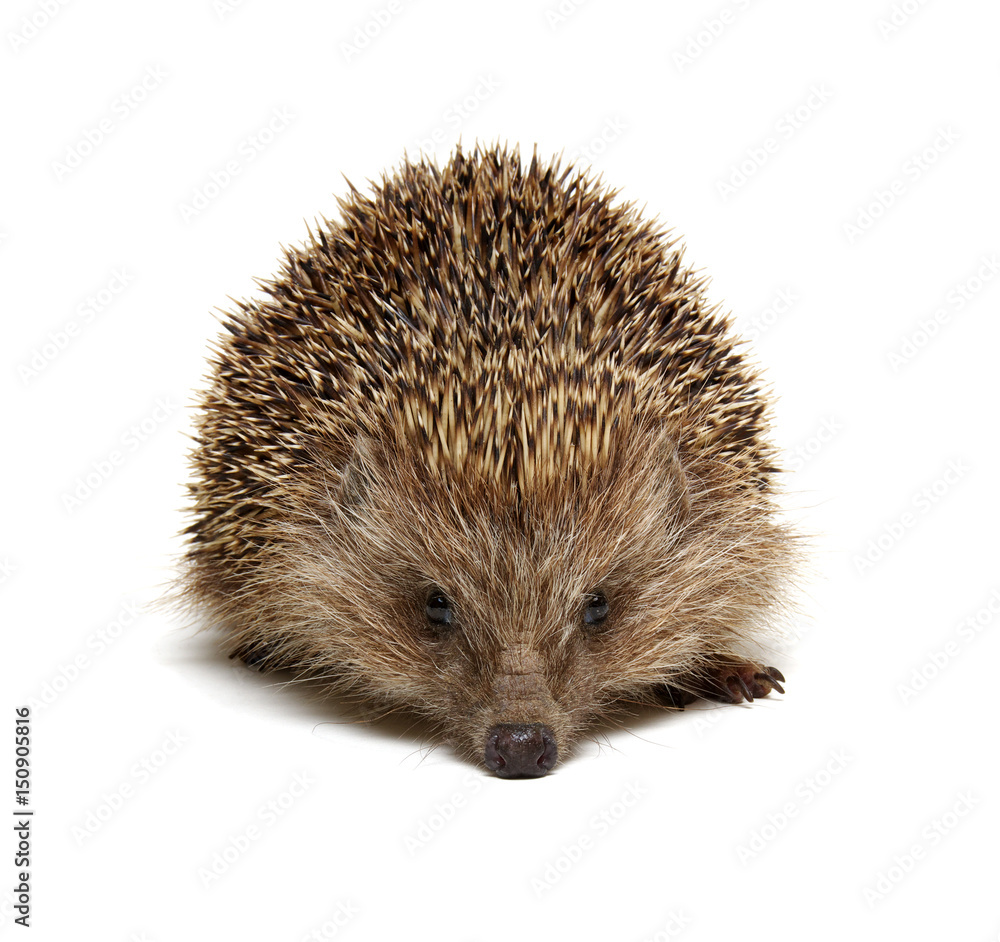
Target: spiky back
{"points": [[501, 319]]}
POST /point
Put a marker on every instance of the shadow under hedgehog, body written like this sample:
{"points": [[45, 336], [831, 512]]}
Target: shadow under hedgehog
{"points": [[483, 451]]}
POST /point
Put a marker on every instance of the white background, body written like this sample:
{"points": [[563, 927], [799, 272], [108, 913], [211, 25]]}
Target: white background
{"points": [[863, 804]]}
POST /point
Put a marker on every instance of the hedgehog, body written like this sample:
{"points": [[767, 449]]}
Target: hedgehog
{"points": [[483, 452]]}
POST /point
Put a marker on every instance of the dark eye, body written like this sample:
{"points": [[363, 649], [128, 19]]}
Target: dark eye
{"points": [[438, 609], [595, 610]]}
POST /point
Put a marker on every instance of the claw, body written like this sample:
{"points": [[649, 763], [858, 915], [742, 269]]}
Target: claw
{"points": [[743, 686], [723, 692], [730, 680], [771, 679]]}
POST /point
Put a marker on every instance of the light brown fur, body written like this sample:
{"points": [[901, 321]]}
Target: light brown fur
{"points": [[494, 382]]}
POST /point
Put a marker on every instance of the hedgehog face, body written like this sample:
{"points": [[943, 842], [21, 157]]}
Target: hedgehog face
{"points": [[513, 620]]}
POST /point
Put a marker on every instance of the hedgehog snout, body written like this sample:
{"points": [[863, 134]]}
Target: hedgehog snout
{"points": [[520, 750]]}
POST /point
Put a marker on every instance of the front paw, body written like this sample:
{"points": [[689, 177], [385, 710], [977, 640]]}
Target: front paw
{"points": [[733, 681]]}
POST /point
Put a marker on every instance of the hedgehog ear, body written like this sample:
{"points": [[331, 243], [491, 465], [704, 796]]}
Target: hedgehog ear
{"points": [[357, 477]]}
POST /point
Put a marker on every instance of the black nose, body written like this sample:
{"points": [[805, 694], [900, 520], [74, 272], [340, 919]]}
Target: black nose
{"points": [[520, 750]]}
